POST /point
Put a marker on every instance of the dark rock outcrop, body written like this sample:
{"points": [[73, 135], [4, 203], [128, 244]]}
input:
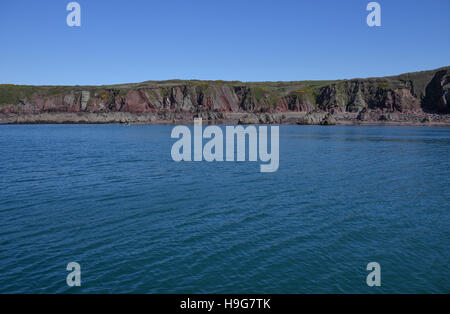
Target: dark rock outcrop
{"points": [[437, 97], [317, 117]]}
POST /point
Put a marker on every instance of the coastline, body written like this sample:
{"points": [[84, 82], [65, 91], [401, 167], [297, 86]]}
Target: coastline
{"points": [[282, 118], [410, 99]]}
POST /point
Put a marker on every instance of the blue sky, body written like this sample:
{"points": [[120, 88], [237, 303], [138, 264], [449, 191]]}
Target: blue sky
{"points": [[247, 40]]}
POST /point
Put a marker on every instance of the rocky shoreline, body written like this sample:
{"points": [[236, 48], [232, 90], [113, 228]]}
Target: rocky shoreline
{"points": [[287, 118]]}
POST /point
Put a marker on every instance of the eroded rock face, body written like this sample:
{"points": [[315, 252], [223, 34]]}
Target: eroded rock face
{"points": [[437, 97], [294, 103], [137, 102], [354, 95], [85, 96], [367, 98], [69, 99], [402, 100]]}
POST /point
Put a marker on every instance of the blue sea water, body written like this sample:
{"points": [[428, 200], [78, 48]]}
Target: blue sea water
{"points": [[110, 198]]}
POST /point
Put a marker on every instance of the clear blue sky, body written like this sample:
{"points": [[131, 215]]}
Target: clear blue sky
{"points": [[247, 40]]}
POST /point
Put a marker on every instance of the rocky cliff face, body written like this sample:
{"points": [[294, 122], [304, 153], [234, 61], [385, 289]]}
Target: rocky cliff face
{"points": [[418, 92]]}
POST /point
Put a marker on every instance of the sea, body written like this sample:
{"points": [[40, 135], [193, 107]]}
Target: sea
{"points": [[112, 199]]}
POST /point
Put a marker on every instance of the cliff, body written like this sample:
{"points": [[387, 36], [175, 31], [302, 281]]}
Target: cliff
{"points": [[423, 95]]}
